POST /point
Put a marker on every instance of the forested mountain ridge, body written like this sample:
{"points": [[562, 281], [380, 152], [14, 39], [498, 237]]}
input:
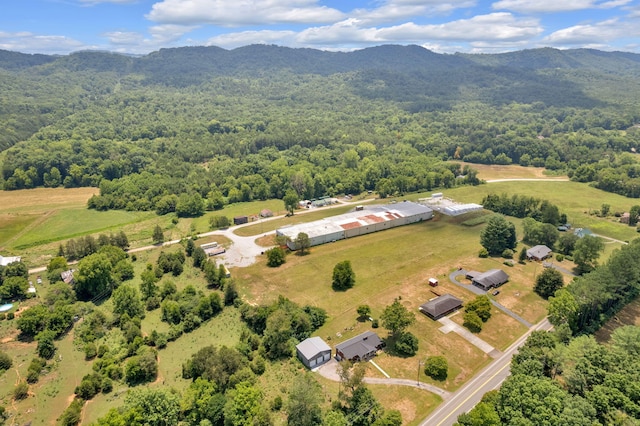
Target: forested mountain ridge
{"points": [[257, 121]]}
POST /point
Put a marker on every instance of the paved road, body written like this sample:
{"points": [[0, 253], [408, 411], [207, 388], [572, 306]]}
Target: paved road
{"points": [[491, 377]]}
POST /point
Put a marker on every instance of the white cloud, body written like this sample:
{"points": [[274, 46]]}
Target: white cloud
{"points": [[393, 10], [230, 13], [244, 38], [593, 34], [124, 38], [92, 2], [551, 6], [491, 27], [27, 42]]}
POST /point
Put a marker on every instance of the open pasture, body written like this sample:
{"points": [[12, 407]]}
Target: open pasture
{"points": [[577, 200], [389, 264], [495, 171]]}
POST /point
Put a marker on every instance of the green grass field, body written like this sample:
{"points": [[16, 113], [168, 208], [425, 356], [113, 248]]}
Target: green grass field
{"points": [[390, 264], [575, 199]]}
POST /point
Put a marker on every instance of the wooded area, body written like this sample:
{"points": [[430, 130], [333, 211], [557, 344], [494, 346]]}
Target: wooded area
{"points": [[192, 128]]}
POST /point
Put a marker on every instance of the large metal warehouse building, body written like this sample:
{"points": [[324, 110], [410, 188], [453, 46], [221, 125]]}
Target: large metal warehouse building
{"points": [[369, 219]]}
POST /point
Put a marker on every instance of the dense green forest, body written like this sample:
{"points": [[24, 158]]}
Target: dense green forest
{"points": [[220, 126]]}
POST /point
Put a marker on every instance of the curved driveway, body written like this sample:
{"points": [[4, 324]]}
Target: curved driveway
{"points": [[454, 279]]}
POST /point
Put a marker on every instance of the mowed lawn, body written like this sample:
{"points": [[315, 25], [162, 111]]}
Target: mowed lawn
{"points": [[390, 264]]}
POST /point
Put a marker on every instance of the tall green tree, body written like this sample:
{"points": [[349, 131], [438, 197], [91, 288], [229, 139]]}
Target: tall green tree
{"points": [[244, 406], [396, 318], [291, 200], [343, 276], [94, 276], [126, 300], [548, 282], [498, 235], [303, 406], [303, 243], [587, 252], [158, 235]]}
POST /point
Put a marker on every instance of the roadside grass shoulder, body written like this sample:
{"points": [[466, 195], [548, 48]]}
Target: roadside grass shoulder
{"points": [[411, 402]]}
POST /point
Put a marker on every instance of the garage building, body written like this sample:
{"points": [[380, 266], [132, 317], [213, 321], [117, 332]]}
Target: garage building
{"points": [[369, 219], [313, 352]]}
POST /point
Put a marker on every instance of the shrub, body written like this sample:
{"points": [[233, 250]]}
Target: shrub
{"points": [[483, 253], [508, 263], [436, 367], [473, 322], [11, 316], [5, 361], [72, 415], [375, 323], [21, 391], [90, 351], [276, 404], [559, 257], [507, 254], [275, 257], [34, 370], [3, 316], [406, 344], [102, 350]]}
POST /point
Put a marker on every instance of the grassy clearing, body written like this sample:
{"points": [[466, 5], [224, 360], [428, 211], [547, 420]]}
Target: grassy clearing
{"points": [[51, 395], [40, 200], [224, 329], [413, 403], [390, 264], [577, 200], [487, 172], [59, 226]]}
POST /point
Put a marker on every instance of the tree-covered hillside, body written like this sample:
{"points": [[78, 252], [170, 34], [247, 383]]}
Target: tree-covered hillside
{"points": [[254, 122]]}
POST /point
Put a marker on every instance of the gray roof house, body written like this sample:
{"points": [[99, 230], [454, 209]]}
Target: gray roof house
{"points": [[491, 278], [313, 352], [363, 347], [440, 306], [539, 252]]}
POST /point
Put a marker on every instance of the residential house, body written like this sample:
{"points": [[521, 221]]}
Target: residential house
{"points": [[441, 306], [363, 347]]}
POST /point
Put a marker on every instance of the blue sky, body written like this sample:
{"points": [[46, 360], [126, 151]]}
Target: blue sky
{"points": [[473, 26]]}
